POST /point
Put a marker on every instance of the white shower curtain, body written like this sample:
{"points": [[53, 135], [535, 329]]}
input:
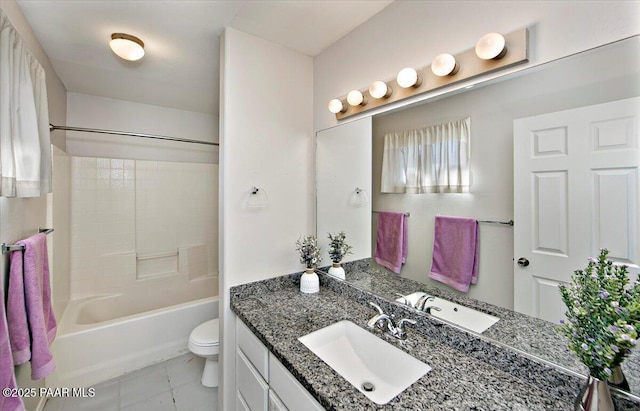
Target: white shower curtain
{"points": [[433, 159], [25, 144]]}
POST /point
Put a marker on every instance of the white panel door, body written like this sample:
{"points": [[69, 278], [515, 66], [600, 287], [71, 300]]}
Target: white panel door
{"points": [[576, 191], [343, 164]]}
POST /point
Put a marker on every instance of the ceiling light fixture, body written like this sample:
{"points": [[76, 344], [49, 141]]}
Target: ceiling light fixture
{"points": [[444, 65], [408, 77], [491, 46], [356, 98], [126, 46], [379, 89]]}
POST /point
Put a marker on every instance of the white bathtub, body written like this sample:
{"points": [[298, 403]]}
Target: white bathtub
{"points": [[103, 337]]}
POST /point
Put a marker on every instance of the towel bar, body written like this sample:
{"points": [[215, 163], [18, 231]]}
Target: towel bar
{"points": [[407, 214], [15, 247]]}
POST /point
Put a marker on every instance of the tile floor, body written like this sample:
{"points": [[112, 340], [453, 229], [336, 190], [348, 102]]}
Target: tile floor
{"points": [[173, 385]]}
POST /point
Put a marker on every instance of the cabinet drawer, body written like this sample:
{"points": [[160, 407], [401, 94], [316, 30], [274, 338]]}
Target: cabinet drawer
{"points": [[290, 391], [250, 385], [253, 349]]}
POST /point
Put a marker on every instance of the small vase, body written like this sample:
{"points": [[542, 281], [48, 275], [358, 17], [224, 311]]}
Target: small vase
{"points": [[337, 271], [309, 282], [618, 380], [594, 396]]}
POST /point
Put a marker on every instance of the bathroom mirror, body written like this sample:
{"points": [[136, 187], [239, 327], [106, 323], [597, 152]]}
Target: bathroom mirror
{"points": [[604, 74]]}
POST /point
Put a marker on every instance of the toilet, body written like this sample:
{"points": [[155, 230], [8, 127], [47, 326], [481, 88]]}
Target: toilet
{"points": [[203, 342]]}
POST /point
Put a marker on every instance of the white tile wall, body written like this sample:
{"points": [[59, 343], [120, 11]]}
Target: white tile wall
{"points": [[125, 208]]}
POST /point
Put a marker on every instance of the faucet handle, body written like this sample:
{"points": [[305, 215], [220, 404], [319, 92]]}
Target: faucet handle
{"points": [[404, 298], [377, 307], [399, 330]]}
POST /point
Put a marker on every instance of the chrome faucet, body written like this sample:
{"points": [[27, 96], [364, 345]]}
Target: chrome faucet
{"points": [[379, 320], [422, 301], [431, 307]]}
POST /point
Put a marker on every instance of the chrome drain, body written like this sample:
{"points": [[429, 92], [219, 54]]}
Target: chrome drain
{"points": [[368, 387]]}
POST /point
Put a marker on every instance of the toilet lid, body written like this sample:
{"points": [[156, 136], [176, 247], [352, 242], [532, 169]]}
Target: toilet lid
{"points": [[206, 333]]}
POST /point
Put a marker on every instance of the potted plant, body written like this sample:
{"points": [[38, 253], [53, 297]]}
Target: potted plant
{"points": [[602, 325], [338, 248], [309, 251]]}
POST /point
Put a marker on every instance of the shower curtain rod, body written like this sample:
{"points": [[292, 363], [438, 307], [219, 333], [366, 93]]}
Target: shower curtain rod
{"points": [[126, 133]]}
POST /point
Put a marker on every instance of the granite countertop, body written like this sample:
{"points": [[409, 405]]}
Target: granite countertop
{"points": [[535, 337], [278, 314]]}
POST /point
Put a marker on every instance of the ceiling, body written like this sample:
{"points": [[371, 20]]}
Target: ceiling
{"points": [[181, 65]]}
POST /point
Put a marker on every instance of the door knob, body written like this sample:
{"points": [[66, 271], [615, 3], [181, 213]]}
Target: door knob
{"points": [[523, 262]]}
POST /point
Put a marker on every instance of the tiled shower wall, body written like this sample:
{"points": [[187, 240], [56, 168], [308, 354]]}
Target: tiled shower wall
{"points": [[130, 218]]}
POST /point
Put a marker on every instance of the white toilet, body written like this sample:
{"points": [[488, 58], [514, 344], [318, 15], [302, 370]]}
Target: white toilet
{"points": [[203, 342]]}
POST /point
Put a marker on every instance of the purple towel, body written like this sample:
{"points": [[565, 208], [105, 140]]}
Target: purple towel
{"points": [[7, 377], [455, 252], [391, 244], [32, 325]]}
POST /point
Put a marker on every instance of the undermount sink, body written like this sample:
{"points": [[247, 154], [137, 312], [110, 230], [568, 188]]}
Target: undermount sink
{"points": [[376, 368], [465, 317]]}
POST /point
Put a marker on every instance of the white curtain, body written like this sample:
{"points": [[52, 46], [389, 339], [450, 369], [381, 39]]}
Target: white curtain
{"points": [[25, 144], [433, 159]]}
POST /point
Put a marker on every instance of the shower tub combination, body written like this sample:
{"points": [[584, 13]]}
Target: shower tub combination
{"points": [[106, 336]]}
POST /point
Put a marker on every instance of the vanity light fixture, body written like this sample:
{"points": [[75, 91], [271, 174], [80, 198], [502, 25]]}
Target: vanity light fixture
{"points": [[489, 55], [491, 46], [379, 89], [356, 98], [126, 46], [408, 77], [336, 106], [444, 65]]}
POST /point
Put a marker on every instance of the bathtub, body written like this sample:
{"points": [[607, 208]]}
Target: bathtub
{"points": [[106, 336]]}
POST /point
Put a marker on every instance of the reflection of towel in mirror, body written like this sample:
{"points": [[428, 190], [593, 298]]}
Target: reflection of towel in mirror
{"points": [[7, 377], [455, 252], [32, 325], [391, 243]]}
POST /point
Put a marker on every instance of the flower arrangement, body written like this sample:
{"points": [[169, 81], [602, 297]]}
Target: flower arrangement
{"points": [[603, 312], [309, 251], [338, 248]]}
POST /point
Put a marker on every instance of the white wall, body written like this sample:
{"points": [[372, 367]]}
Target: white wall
{"points": [[412, 33], [266, 140], [20, 218], [110, 114]]}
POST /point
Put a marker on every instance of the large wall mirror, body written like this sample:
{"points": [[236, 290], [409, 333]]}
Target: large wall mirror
{"points": [[602, 75]]}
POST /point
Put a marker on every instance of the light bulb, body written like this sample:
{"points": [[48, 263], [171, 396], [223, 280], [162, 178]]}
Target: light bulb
{"points": [[336, 106], [355, 98], [379, 89], [408, 77], [444, 65], [491, 46]]}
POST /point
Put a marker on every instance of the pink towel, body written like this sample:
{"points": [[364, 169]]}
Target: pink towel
{"points": [[455, 252], [7, 377], [32, 325], [391, 245]]}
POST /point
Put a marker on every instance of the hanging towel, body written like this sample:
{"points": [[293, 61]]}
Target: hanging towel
{"points": [[7, 377], [455, 252], [32, 325], [391, 245]]}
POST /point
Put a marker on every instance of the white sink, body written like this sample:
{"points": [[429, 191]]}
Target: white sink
{"points": [[360, 357], [457, 314]]}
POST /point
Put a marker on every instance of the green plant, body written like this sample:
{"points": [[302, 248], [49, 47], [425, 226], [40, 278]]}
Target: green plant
{"points": [[603, 314], [309, 251], [338, 248]]}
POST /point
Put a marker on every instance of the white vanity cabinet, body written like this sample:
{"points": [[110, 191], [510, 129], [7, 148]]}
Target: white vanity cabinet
{"points": [[262, 382]]}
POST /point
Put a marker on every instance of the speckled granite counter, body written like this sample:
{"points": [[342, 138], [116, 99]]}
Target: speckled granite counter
{"points": [[468, 372], [535, 337]]}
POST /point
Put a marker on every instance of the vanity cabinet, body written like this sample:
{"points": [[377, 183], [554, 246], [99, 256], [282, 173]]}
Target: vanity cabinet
{"points": [[262, 382]]}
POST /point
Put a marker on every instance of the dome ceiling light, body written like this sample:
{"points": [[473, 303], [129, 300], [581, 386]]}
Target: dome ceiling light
{"points": [[126, 46]]}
